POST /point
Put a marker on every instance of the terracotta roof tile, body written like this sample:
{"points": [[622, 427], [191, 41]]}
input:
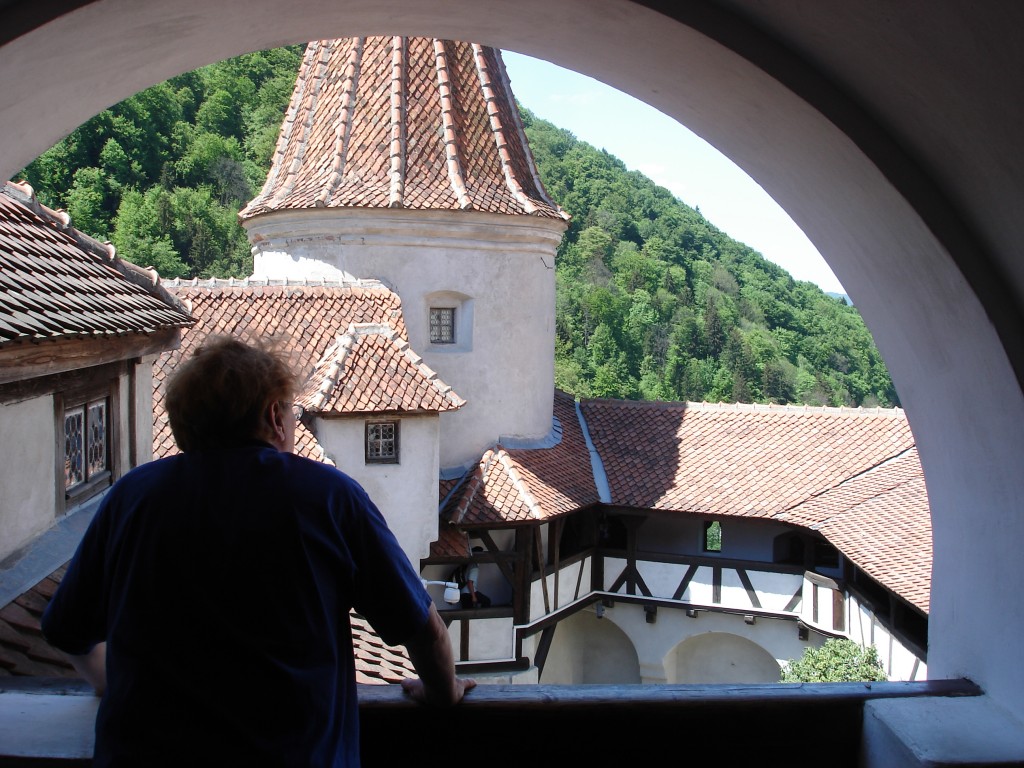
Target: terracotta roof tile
{"points": [[56, 282], [393, 122], [305, 319], [881, 521], [524, 485], [23, 650], [369, 369], [736, 460], [451, 543]]}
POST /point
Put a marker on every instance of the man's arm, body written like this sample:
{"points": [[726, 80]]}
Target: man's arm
{"points": [[92, 666], [431, 654]]}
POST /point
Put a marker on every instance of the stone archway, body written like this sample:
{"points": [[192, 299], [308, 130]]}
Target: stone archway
{"points": [[720, 657], [589, 650], [915, 211]]}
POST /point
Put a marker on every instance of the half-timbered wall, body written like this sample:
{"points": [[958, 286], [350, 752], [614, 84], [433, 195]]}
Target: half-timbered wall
{"points": [[900, 657]]}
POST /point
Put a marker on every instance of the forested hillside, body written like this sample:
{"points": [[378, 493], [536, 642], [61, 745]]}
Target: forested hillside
{"points": [[653, 301]]}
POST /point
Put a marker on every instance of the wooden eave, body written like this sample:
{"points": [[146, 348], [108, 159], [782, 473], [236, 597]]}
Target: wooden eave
{"points": [[32, 359]]}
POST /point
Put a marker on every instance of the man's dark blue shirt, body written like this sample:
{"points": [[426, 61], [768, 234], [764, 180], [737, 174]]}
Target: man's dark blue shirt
{"points": [[222, 581]]}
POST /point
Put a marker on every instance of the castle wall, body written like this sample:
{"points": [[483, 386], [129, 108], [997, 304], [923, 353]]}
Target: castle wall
{"points": [[496, 271], [406, 492]]}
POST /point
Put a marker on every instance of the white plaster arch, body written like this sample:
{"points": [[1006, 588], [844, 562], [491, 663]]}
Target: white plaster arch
{"points": [[721, 657], [889, 232], [591, 650]]}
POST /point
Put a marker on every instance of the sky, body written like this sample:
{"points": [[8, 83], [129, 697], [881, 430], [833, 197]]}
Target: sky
{"points": [[673, 157]]}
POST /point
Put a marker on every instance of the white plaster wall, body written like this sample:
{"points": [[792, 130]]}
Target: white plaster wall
{"points": [[824, 594], [741, 539], [503, 264], [661, 578], [406, 493], [492, 639], [775, 590], [655, 643], [589, 650], [27, 472], [573, 584], [718, 657], [899, 659]]}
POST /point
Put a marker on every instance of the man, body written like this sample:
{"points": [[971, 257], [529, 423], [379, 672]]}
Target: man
{"points": [[472, 597], [208, 602]]}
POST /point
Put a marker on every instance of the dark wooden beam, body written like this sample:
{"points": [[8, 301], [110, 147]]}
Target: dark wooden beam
{"points": [[30, 360]]}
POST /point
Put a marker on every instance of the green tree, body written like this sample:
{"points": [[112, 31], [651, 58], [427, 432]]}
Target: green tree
{"points": [[838, 660]]}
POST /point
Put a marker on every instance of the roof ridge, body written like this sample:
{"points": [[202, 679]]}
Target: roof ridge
{"points": [[474, 483], [399, 106], [334, 358], [291, 174], [451, 150], [794, 408], [343, 131], [521, 486], [498, 130], [748, 407], [369, 283]]}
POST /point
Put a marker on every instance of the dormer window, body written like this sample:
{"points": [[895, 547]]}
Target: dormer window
{"points": [[442, 325], [382, 442]]}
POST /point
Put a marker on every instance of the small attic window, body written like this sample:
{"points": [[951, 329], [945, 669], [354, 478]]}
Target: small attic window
{"points": [[447, 323], [442, 325], [382, 442]]}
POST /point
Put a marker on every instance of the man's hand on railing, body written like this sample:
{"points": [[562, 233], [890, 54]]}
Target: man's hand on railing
{"points": [[431, 655]]}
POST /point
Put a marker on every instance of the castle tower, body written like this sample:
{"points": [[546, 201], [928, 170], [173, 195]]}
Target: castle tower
{"points": [[404, 159]]}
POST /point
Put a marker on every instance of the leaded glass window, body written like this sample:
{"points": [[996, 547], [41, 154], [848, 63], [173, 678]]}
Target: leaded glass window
{"points": [[382, 442], [86, 443], [74, 463], [442, 325]]}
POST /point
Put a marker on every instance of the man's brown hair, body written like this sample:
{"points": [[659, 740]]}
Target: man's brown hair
{"points": [[217, 397]]}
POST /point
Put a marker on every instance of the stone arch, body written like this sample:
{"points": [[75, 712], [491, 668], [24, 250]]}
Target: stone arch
{"points": [[924, 238], [720, 657], [587, 649]]}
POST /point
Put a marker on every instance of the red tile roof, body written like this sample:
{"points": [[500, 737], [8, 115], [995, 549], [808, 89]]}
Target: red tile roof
{"points": [[393, 122], [305, 319], [377, 663], [57, 283], [451, 543], [881, 521], [736, 460], [24, 651], [522, 485], [370, 369]]}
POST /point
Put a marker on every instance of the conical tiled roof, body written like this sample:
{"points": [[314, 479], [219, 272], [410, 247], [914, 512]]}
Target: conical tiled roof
{"points": [[396, 122]]}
